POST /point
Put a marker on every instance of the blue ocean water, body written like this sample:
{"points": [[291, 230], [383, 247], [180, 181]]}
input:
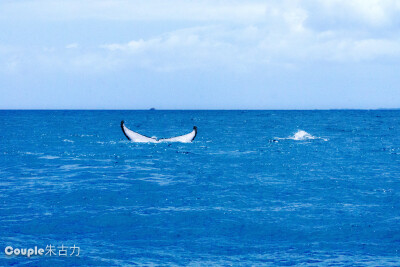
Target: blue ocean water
{"points": [[247, 191]]}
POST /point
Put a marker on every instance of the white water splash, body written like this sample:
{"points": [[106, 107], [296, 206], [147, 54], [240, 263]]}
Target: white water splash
{"points": [[303, 135]]}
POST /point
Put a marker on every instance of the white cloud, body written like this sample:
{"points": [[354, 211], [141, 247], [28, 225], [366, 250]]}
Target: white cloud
{"points": [[9, 59], [186, 48], [288, 43], [353, 14], [72, 46]]}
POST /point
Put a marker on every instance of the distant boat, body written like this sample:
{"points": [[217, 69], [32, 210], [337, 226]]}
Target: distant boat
{"points": [[152, 109]]}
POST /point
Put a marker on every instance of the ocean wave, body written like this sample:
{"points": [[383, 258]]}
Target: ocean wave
{"points": [[106, 142]]}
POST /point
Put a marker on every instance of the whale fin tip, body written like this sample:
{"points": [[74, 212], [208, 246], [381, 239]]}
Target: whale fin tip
{"points": [[195, 132], [123, 130]]}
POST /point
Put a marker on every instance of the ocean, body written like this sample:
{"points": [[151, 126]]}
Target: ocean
{"points": [[261, 188]]}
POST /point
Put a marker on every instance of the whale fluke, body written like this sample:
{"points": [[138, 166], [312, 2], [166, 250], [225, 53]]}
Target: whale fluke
{"points": [[138, 138]]}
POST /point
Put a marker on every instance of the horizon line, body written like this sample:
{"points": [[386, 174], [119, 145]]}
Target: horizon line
{"points": [[153, 109]]}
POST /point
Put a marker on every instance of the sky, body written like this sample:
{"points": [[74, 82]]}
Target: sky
{"points": [[207, 54]]}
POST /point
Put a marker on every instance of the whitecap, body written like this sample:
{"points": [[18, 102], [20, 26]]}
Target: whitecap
{"points": [[32, 153], [49, 157], [68, 141]]}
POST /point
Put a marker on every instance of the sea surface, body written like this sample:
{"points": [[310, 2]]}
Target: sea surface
{"points": [[307, 188]]}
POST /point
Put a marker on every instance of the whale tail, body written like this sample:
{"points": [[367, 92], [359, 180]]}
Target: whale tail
{"points": [[136, 137]]}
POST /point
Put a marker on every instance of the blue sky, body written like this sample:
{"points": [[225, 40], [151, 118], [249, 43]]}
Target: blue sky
{"points": [[208, 54]]}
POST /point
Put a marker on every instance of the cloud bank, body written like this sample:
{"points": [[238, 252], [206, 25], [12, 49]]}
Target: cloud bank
{"points": [[233, 34]]}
